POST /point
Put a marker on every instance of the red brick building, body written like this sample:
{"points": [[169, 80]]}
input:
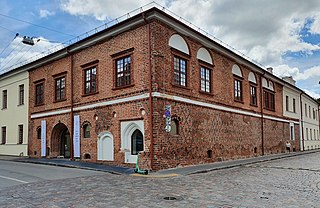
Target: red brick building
{"points": [[153, 85]]}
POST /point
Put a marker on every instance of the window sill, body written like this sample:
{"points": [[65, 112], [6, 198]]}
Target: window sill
{"points": [[37, 105], [89, 94], [20, 105], [239, 101], [205, 93], [58, 101], [122, 87], [4, 108], [269, 109], [254, 105], [180, 86]]}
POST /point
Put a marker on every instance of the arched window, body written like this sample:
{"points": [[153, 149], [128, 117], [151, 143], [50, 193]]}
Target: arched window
{"points": [[39, 132], [268, 94], [181, 55], [237, 74], [253, 89], [136, 142], [174, 127], [86, 131]]}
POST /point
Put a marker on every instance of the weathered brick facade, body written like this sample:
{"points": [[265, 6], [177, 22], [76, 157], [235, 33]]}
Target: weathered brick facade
{"points": [[205, 132]]}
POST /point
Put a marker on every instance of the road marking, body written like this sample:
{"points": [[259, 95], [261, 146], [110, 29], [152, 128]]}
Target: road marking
{"points": [[13, 179]]}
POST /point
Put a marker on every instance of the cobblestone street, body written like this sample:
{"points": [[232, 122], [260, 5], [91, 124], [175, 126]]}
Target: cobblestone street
{"points": [[290, 182]]}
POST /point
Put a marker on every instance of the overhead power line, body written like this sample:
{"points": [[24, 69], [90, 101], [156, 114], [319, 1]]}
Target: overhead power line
{"points": [[36, 25], [9, 44]]}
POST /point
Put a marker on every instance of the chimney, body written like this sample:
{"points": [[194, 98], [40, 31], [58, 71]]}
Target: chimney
{"points": [[290, 80], [270, 69]]}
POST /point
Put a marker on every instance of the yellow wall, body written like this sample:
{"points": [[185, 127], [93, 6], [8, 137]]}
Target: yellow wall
{"points": [[15, 114]]}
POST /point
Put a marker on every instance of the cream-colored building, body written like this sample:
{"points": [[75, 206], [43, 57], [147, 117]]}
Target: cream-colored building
{"points": [[291, 108], [14, 94], [310, 122]]}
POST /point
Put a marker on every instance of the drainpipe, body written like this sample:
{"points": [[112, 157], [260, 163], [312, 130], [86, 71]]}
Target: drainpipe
{"points": [[150, 94], [301, 125], [261, 103], [71, 103]]}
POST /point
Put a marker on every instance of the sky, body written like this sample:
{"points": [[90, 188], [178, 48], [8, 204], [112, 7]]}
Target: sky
{"points": [[283, 34]]}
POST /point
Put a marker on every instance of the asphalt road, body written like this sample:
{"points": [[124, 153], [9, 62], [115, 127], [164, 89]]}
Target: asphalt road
{"points": [[16, 173]]}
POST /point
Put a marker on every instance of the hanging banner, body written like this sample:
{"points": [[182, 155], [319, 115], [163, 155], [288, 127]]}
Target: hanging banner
{"points": [[167, 116], [76, 136], [43, 138]]}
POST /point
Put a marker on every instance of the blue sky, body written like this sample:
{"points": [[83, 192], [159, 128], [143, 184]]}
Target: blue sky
{"points": [[282, 34]]}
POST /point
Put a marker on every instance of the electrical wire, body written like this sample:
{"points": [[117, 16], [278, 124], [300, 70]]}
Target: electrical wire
{"points": [[14, 55], [40, 26], [9, 43], [32, 47]]}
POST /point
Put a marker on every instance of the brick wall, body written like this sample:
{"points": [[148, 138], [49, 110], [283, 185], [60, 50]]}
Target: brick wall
{"points": [[228, 135]]}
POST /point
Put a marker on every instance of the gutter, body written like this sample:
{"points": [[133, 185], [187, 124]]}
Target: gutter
{"points": [[150, 94], [301, 126], [261, 103]]}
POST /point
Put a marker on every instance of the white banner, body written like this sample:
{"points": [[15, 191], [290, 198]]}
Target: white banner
{"points": [[76, 136], [43, 138]]}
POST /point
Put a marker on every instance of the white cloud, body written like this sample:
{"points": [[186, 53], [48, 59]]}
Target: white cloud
{"points": [[45, 13], [102, 10], [312, 94], [22, 53], [315, 26], [285, 70]]}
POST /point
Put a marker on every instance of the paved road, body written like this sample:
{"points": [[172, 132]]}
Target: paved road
{"points": [[13, 173], [292, 182]]}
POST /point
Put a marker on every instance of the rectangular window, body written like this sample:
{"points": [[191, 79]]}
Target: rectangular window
{"points": [[123, 71], [291, 132], [307, 136], [90, 81], [4, 99], [287, 103], [253, 95], [309, 112], [237, 90], [314, 113], [39, 94], [305, 109], [180, 71], [4, 135], [20, 139], [60, 88], [269, 102], [205, 79], [294, 105], [310, 134], [314, 134], [21, 94]]}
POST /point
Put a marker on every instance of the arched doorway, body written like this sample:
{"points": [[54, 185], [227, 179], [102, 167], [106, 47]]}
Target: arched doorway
{"points": [[136, 142], [60, 141], [105, 146], [132, 139]]}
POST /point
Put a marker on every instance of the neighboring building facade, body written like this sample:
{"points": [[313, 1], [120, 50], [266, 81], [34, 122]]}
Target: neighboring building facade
{"points": [[153, 85], [292, 110], [310, 123], [14, 113]]}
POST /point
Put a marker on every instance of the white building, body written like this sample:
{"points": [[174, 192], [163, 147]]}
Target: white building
{"points": [[14, 88], [310, 122], [291, 108]]}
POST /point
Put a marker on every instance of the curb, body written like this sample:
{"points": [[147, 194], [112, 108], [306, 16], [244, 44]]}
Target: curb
{"points": [[171, 175]]}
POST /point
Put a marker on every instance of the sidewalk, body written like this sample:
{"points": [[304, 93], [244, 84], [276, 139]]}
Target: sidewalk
{"points": [[71, 164], [203, 168]]}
